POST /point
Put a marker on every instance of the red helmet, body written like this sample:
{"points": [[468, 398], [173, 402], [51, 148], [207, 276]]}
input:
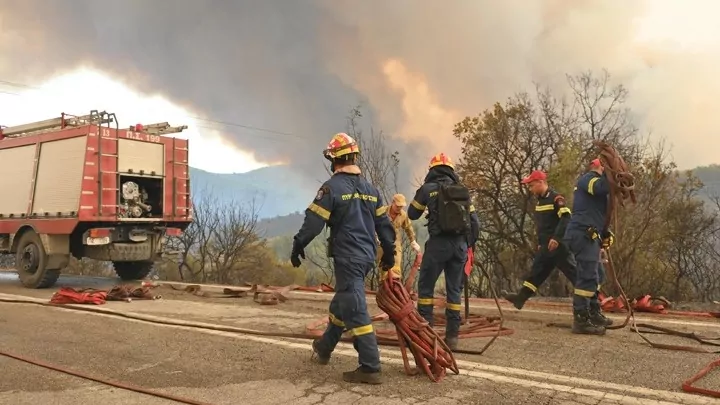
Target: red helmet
{"points": [[340, 145], [441, 159]]}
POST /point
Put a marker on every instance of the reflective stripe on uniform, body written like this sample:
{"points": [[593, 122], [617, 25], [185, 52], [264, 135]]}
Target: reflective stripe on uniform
{"points": [[591, 184], [426, 301], [381, 211], [358, 196], [530, 285], [362, 330], [335, 321], [563, 210], [584, 293], [453, 307], [546, 207], [472, 208], [320, 211], [417, 205]]}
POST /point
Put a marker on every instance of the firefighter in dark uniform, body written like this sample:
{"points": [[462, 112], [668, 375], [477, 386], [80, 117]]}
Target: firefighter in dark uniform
{"points": [[551, 218], [354, 211], [585, 236], [443, 250]]}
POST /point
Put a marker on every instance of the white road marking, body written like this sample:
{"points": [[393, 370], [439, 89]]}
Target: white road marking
{"points": [[624, 394], [144, 366]]}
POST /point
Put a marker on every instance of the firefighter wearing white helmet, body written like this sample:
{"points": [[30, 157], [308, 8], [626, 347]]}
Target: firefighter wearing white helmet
{"points": [[401, 223], [354, 211]]}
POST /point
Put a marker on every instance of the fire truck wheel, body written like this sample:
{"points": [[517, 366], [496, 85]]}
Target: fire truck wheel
{"points": [[31, 261], [128, 271]]}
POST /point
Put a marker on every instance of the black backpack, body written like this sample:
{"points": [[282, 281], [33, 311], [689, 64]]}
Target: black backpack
{"points": [[453, 209]]}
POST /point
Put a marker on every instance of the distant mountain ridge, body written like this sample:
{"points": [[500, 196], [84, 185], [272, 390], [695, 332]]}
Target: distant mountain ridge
{"points": [[710, 176], [279, 190], [285, 193]]}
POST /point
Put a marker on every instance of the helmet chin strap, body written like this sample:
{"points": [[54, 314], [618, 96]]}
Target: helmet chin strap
{"points": [[326, 155]]}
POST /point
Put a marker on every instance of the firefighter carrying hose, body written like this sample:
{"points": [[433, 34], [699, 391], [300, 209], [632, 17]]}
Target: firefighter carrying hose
{"points": [[400, 222], [354, 211], [585, 236], [453, 226], [551, 218]]}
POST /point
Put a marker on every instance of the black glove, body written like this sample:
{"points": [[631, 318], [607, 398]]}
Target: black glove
{"points": [[608, 238], [297, 252], [387, 261]]}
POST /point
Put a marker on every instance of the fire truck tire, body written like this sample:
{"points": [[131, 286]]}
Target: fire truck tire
{"points": [[128, 271], [31, 262]]}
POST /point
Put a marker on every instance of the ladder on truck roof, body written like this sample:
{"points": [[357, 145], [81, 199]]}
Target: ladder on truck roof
{"points": [[161, 128], [54, 124]]}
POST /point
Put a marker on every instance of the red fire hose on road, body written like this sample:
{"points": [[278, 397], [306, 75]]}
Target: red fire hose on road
{"points": [[105, 381], [432, 355]]}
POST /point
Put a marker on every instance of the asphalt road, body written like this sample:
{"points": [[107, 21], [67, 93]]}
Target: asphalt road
{"points": [[536, 365]]}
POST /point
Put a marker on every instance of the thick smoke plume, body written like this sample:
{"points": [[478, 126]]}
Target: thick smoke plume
{"points": [[420, 65]]}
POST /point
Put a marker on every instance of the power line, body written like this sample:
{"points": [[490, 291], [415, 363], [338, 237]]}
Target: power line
{"points": [[234, 124], [209, 120], [14, 84], [268, 136]]}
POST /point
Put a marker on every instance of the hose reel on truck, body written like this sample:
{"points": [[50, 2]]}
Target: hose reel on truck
{"points": [[89, 185]]}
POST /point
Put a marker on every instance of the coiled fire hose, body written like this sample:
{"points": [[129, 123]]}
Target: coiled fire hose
{"points": [[431, 353]]}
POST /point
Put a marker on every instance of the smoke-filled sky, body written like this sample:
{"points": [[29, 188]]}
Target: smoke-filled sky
{"points": [[297, 66]]}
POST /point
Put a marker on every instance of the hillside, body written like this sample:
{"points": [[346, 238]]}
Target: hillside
{"points": [[279, 190], [710, 176], [281, 225]]}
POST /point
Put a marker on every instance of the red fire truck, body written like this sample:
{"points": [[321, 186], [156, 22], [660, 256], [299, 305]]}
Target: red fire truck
{"points": [[81, 186]]}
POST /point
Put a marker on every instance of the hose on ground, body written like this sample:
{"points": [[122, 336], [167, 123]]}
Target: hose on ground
{"points": [[105, 381], [432, 355]]}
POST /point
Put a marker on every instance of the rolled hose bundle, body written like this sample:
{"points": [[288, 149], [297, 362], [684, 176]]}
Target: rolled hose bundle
{"points": [[432, 355], [622, 182]]}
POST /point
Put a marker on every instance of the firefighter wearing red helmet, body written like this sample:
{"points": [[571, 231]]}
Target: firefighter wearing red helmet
{"points": [[551, 218], [354, 211], [453, 226], [586, 235]]}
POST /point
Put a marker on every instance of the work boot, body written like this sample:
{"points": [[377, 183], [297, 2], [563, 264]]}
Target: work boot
{"points": [[518, 299], [584, 326], [452, 342], [321, 357], [362, 376], [598, 318]]}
